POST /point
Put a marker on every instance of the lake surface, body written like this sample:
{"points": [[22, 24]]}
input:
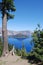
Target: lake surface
{"points": [[18, 42]]}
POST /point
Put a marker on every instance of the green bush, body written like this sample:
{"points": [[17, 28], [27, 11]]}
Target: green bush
{"points": [[10, 47], [18, 52], [22, 52]]}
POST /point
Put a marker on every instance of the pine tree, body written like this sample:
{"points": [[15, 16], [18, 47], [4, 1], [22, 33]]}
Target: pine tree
{"points": [[38, 43], [6, 7]]}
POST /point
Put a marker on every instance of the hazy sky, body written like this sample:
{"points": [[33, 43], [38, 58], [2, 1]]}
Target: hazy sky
{"points": [[28, 14]]}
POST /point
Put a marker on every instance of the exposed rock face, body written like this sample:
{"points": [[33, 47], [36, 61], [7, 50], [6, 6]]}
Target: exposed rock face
{"points": [[17, 32]]}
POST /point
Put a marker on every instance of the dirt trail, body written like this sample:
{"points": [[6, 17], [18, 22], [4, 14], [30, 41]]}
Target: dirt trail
{"points": [[13, 60]]}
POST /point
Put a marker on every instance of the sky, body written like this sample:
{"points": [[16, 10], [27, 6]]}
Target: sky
{"points": [[28, 14]]}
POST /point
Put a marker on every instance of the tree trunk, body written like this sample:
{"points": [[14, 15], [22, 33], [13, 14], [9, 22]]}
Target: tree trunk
{"points": [[4, 35]]}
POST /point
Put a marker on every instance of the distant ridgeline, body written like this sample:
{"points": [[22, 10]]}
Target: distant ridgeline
{"points": [[19, 36]]}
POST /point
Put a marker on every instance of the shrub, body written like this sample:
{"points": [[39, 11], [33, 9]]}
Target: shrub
{"points": [[10, 47]]}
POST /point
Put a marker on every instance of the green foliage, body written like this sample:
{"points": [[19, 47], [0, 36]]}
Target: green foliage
{"points": [[18, 52], [7, 6], [10, 47], [22, 52], [38, 44]]}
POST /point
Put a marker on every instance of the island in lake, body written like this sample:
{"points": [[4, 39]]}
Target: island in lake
{"points": [[17, 34]]}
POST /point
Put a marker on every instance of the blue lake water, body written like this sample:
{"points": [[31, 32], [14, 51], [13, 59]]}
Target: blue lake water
{"points": [[18, 42]]}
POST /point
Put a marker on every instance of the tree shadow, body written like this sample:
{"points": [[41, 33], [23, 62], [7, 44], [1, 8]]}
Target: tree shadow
{"points": [[33, 60]]}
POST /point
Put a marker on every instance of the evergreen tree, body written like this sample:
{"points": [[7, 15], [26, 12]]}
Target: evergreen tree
{"points": [[38, 43], [6, 7]]}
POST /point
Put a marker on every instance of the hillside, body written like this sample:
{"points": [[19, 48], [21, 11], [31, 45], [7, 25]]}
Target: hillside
{"points": [[17, 33]]}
